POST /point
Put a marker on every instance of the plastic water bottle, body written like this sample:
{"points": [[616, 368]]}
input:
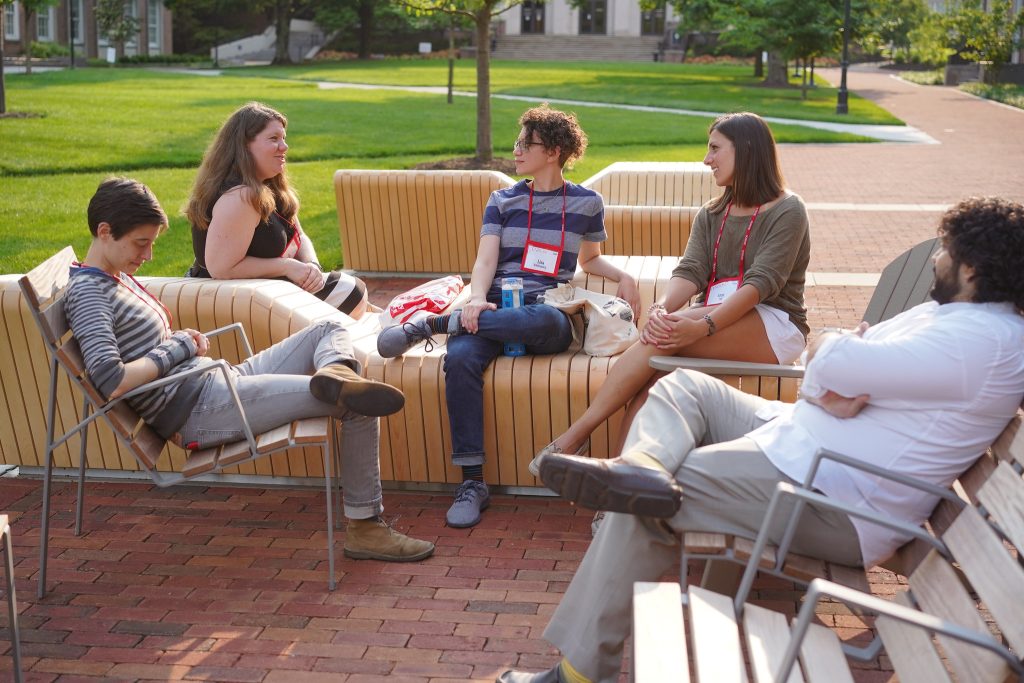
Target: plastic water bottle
{"points": [[512, 297]]}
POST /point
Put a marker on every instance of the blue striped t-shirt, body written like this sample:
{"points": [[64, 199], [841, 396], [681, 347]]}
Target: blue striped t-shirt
{"points": [[506, 216]]}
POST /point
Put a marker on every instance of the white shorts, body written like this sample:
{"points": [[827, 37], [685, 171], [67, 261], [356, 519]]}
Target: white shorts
{"points": [[787, 340]]}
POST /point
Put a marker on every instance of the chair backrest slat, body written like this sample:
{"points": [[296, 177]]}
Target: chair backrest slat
{"points": [[1003, 497], [70, 355], [904, 283], [911, 649], [939, 591]]}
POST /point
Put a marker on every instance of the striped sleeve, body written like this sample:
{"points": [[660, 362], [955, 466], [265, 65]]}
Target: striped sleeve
{"points": [[90, 315]]}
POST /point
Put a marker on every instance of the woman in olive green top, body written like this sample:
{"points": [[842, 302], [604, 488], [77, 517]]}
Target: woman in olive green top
{"points": [[745, 263]]}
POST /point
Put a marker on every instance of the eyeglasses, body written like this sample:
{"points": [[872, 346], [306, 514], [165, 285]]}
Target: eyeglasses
{"points": [[523, 145]]}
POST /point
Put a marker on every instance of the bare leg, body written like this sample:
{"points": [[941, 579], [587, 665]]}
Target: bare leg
{"points": [[744, 340]]}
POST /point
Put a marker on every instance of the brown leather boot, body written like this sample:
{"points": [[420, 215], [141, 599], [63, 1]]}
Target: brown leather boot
{"points": [[340, 385], [373, 539]]}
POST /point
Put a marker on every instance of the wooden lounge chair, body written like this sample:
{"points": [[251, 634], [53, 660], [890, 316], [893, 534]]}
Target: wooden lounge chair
{"points": [[12, 603], [904, 283], [43, 289], [977, 560]]}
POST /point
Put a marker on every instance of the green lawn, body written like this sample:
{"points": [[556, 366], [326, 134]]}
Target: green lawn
{"points": [[154, 125], [701, 87]]}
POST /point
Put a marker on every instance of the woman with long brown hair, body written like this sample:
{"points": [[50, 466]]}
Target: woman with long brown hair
{"points": [[245, 215], [745, 263]]}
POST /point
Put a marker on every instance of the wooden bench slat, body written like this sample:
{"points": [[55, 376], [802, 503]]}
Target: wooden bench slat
{"points": [[911, 649], [767, 635], [148, 445], [274, 439], [716, 639], [822, 658], [939, 591], [994, 574], [200, 461], [1003, 497], [659, 642], [311, 430]]}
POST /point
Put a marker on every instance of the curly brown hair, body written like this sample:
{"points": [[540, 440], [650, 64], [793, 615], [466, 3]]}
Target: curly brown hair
{"points": [[987, 234], [556, 129]]}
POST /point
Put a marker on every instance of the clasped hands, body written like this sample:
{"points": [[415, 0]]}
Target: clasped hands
{"points": [[307, 276], [671, 331]]}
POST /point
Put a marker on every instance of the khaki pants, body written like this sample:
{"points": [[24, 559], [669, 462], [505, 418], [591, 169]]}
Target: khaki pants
{"points": [[695, 426]]}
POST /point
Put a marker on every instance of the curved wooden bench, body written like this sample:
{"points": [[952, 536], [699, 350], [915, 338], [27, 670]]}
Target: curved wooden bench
{"points": [[647, 230], [653, 183], [412, 221]]}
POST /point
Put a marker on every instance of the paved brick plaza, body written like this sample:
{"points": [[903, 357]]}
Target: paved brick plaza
{"points": [[228, 584]]}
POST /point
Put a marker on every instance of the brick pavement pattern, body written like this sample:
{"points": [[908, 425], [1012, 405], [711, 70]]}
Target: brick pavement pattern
{"points": [[228, 584]]}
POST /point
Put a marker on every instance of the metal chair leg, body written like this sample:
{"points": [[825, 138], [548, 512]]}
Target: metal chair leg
{"points": [[328, 451], [81, 470], [44, 524], [12, 605]]}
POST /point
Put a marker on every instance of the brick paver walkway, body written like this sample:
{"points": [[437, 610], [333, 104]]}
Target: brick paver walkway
{"points": [[227, 584]]}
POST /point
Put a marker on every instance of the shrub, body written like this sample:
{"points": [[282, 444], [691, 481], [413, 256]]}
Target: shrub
{"points": [[45, 50]]}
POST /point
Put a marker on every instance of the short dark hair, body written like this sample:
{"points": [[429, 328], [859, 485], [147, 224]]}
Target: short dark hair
{"points": [[124, 204], [556, 129], [757, 176], [987, 234]]}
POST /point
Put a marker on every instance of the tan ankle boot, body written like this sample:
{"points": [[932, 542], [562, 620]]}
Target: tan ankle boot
{"points": [[340, 385], [373, 539]]}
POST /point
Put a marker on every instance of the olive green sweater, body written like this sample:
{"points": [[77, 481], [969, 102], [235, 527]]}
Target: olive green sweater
{"points": [[776, 260]]}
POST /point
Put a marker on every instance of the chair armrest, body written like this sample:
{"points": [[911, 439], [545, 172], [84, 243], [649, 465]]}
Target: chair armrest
{"points": [[821, 588], [906, 480], [237, 328], [726, 367], [803, 496]]}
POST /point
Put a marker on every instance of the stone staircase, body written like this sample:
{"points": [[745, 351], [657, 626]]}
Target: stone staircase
{"points": [[577, 48]]}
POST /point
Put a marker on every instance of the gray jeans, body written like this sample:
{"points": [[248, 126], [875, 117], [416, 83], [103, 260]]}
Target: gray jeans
{"points": [[273, 387], [695, 426]]}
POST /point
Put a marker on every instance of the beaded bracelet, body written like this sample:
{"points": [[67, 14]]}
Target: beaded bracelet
{"points": [[711, 324]]}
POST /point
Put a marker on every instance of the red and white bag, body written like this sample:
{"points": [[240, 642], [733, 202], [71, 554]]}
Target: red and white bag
{"points": [[433, 297]]}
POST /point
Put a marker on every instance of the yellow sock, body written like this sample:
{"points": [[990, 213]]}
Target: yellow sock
{"points": [[569, 674], [642, 460]]}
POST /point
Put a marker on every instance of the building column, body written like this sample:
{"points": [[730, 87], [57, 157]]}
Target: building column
{"points": [[89, 33]]}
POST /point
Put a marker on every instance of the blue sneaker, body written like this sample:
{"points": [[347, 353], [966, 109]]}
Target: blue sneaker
{"points": [[396, 340], [471, 498]]}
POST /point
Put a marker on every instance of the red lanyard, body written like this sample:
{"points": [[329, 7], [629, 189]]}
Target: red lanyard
{"points": [[743, 249], [529, 218], [149, 300]]}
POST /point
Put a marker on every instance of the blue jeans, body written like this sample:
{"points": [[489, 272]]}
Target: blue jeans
{"points": [[273, 387], [542, 328]]}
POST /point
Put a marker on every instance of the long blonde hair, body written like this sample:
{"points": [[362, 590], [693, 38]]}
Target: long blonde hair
{"points": [[228, 158]]}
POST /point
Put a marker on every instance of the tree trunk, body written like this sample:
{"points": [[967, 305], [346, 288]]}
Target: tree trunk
{"points": [[803, 83], [27, 38], [365, 27], [776, 70], [451, 60], [759, 64], [3, 92], [283, 22], [484, 153]]}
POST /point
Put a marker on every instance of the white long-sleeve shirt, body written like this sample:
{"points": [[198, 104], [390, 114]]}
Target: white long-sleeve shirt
{"points": [[943, 380]]}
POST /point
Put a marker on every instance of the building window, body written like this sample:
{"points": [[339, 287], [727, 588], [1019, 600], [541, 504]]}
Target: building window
{"points": [[78, 11], [533, 17], [11, 24], [45, 24], [593, 17], [153, 19], [652, 22], [131, 9]]}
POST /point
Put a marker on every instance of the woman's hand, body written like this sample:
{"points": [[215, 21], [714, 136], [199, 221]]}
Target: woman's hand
{"points": [[470, 316], [629, 292], [672, 331], [201, 340], [307, 276]]}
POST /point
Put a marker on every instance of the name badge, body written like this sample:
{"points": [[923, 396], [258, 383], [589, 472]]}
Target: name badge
{"points": [[720, 290], [541, 258]]}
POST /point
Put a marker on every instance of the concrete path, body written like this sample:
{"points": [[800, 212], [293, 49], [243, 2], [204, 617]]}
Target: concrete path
{"points": [[869, 202]]}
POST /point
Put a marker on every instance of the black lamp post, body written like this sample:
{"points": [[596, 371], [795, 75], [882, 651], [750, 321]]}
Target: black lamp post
{"points": [[841, 98]]}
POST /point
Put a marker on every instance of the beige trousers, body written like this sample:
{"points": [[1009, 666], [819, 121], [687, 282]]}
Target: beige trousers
{"points": [[695, 426]]}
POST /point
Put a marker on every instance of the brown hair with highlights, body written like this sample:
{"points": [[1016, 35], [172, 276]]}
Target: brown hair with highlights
{"points": [[757, 176]]}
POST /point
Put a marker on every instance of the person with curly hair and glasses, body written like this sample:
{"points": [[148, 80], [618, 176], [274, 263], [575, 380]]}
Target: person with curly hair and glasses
{"points": [[537, 230]]}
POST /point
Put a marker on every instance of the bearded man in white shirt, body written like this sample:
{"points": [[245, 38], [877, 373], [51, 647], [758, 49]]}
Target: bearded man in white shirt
{"points": [[922, 394]]}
